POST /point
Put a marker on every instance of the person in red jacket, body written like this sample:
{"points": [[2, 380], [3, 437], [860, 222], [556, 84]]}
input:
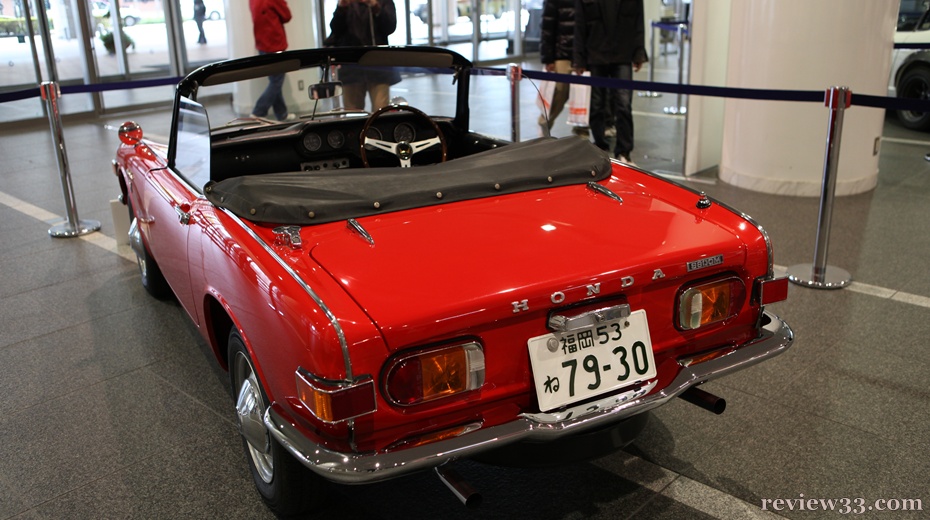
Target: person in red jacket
{"points": [[268, 19]]}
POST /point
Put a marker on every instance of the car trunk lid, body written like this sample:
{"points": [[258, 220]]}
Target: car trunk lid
{"points": [[447, 270]]}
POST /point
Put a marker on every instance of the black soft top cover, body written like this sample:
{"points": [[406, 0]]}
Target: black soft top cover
{"points": [[305, 198]]}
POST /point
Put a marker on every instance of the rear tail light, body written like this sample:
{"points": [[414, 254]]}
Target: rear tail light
{"points": [[433, 374], [710, 302], [334, 402]]}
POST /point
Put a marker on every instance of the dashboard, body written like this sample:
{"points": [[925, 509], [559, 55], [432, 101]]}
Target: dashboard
{"points": [[319, 144]]}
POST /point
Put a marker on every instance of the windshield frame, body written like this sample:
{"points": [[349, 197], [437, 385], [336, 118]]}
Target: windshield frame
{"points": [[440, 61]]}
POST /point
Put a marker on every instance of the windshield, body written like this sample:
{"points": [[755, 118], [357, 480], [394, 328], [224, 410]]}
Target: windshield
{"points": [[430, 90], [910, 13]]}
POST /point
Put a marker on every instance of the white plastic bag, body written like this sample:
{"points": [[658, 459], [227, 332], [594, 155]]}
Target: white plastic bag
{"points": [[544, 98], [579, 103]]}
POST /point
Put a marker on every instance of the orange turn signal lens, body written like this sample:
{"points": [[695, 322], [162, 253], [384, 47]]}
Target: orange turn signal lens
{"points": [[434, 374], [708, 303], [335, 402]]}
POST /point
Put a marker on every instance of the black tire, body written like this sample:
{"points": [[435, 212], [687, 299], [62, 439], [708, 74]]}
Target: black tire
{"points": [[286, 487], [914, 84], [152, 278]]}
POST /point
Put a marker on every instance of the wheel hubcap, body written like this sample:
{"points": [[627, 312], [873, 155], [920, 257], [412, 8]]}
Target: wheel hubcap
{"points": [[249, 412]]}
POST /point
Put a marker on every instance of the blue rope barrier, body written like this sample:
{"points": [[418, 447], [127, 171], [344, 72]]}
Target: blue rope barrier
{"points": [[809, 96], [86, 89], [119, 85], [20, 94], [912, 46], [814, 96]]}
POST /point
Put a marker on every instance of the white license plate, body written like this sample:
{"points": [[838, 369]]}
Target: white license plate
{"points": [[572, 366]]}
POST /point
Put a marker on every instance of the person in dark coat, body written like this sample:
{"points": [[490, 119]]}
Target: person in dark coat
{"points": [[362, 23], [556, 52], [200, 14], [610, 42]]}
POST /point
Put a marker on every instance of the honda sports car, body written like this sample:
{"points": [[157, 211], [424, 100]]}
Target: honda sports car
{"points": [[393, 290]]}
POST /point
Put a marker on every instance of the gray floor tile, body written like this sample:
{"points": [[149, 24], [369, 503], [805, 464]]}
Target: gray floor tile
{"points": [[56, 447], [70, 359], [194, 480]]}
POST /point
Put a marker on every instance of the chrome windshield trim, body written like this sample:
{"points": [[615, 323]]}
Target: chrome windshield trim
{"points": [[313, 295], [358, 468]]}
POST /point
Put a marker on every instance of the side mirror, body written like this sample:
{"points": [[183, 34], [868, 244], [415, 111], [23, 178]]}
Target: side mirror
{"points": [[326, 90]]}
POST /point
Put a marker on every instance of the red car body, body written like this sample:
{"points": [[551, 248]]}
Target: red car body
{"points": [[341, 313]]}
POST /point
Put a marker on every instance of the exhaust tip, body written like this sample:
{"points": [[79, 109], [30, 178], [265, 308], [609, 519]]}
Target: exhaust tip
{"points": [[462, 490], [705, 400]]}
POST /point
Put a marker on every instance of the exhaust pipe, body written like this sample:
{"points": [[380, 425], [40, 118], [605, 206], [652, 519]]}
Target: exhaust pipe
{"points": [[462, 489], [705, 400]]}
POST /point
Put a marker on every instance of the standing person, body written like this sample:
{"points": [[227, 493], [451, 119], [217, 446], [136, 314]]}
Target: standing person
{"points": [[200, 14], [610, 42], [555, 52], [362, 23], [268, 19]]}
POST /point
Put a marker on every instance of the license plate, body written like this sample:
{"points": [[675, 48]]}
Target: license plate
{"points": [[572, 366]]}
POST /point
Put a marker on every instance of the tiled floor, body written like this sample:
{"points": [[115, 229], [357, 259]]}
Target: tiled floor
{"points": [[111, 406]]}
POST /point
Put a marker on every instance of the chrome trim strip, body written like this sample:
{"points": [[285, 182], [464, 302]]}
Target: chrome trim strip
{"points": [[358, 468], [319, 301]]}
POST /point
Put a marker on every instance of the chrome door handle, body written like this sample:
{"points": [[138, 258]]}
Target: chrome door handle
{"points": [[183, 216]]}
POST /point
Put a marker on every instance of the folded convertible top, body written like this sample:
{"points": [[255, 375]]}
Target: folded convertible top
{"points": [[304, 198]]}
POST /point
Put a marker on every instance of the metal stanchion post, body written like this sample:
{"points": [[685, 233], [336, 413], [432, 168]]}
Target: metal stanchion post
{"points": [[819, 275], [514, 73], [73, 226], [679, 109], [652, 58]]}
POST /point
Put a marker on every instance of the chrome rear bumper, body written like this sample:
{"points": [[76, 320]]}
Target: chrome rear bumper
{"points": [[360, 468]]}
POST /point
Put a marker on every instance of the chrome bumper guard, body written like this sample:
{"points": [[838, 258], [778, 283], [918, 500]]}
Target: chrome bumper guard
{"points": [[361, 468]]}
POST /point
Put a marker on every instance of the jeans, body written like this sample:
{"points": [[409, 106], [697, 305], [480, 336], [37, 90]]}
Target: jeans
{"points": [[612, 106], [272, 98]]}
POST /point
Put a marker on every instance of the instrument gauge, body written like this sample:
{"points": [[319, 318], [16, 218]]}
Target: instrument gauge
{"points": [[404, 132], [312, 142], [336, 139]]}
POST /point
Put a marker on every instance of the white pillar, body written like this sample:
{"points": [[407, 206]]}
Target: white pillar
{"points": [[779, 146], [301, 34], [710, 41]]}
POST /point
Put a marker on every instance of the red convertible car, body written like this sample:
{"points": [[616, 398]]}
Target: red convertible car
{"points": [[393, 291]]}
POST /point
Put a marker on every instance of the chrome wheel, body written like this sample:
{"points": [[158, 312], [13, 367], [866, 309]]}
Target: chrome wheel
{"points": [[152, 279], [250, 410], [286, 486]]}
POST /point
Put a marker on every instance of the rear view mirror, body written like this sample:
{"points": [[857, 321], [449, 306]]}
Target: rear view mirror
{"points": [[326, 90]]}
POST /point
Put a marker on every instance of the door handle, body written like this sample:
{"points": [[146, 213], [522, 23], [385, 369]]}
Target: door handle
{"points": [[184, 217]]}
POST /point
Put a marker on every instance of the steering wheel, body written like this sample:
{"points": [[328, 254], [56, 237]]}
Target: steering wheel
{"points": [[403, 150]]}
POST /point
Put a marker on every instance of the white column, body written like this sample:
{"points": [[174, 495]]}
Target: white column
{"points": [[710, 39], [779, 146]]}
